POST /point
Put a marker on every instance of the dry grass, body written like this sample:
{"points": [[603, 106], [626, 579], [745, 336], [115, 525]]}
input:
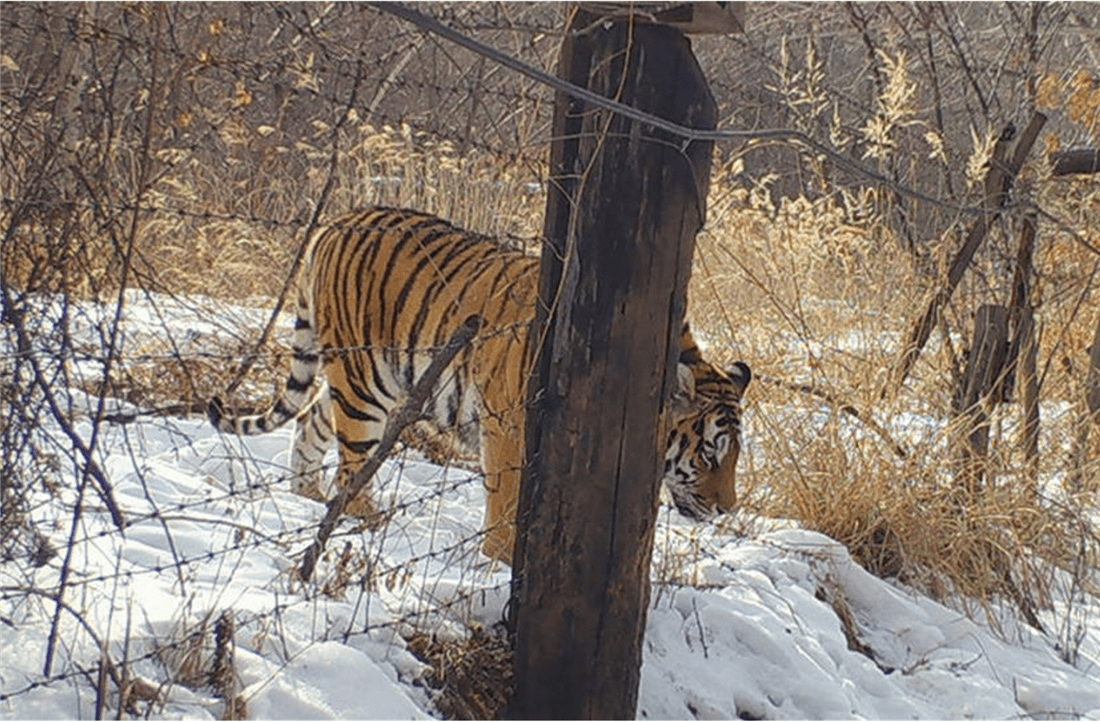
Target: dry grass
{"points": [[230, 246], [813, 300], [472, 678], [201, 657], [808, 293]]}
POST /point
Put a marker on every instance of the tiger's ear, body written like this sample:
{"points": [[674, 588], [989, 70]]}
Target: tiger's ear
{"points": [[740, 374], [684, 397]]}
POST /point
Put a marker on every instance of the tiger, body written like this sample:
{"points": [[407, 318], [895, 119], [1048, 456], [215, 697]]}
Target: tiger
{"points": [[379, 290]]}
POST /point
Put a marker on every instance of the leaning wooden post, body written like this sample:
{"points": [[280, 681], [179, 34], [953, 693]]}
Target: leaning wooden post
{"points": [[1089, 418], [625, 204], [1083, 161], [1003, 168], [1076, 160]]}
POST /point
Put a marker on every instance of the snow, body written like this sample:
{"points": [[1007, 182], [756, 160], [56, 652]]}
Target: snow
{"points": [[739, 624], [328, 680], [763, 642]]}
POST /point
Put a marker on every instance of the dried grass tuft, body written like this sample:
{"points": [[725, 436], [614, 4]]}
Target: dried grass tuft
{"points": [[471, 678]]}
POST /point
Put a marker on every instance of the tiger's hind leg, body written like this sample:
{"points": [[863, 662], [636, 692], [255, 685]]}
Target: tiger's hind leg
{"points": [[358, 427], [313, 437]]}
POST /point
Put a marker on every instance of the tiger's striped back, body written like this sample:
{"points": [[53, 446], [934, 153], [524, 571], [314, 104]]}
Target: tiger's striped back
{"points": [[388, 287]]}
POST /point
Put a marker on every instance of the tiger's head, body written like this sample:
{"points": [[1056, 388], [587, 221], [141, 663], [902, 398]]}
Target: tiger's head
{"points": [[705, 439]]}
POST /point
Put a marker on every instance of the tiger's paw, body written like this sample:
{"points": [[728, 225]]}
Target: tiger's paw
{"points": [[363, 507], [309, 487]]}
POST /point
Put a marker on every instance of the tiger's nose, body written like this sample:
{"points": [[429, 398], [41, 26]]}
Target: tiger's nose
{"points": [[726, 501]]}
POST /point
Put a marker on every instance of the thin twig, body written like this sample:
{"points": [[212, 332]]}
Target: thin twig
{"points": [[842, 406], [90, 468]]}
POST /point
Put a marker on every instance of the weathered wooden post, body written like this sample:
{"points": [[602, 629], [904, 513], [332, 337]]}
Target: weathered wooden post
{"points": [[1092, 380], [981, 389], [1085, 161], [1076, 160], [625, 204], [1003, 169], [1024, 348], [1084, 474]]}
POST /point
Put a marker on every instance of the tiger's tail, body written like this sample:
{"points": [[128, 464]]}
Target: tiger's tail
{"points": [[299, 394]]}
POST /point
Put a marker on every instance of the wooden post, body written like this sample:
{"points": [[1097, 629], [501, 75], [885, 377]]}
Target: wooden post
{"points": [[1083, 161], [1084, 476], [625, 204], [1092, 380], [1024, 349], [980, 390], [1027, 382], [1076, 160]]}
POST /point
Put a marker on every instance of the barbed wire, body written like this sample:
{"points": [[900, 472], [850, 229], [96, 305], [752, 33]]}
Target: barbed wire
{"points": [[161, 647], [297, 223], [328, 95], [263, 69], [260, 68], [440, 491], [374, 575], [277, 354], [685, 133]]}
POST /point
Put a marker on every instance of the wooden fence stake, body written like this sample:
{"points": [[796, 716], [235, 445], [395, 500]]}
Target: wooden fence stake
{"points": [[625, 204], [1023, 349], [1092, 395], [1089, 420], [980, 390], [1002, 171]]}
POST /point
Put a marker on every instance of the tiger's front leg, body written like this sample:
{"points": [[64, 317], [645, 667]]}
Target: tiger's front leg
{"points": [[502, 462]]}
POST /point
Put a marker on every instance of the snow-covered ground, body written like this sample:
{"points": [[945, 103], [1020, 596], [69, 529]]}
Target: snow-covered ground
{"points": [[778, 623]]}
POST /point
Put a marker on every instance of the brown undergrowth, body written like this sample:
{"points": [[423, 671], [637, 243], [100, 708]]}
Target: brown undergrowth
{"points": [[192, 172], [470, 679]]}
